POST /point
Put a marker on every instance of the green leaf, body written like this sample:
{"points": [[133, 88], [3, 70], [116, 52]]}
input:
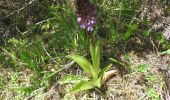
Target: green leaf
{"points": [[83, 63], [101, 73], [153, 94], [71, 79], [142, 68], [92, 51], [97, 82], [146, 32], [83, 85], [129, 32], [127, 35], [133, 27], [166, 52], [95, 53]]}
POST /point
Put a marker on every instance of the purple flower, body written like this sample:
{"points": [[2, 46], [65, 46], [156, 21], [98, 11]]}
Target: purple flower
{"points": [[86, 15]]}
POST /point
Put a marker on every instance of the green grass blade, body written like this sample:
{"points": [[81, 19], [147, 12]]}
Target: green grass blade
{"points": [[116, 61], [101, 73]]}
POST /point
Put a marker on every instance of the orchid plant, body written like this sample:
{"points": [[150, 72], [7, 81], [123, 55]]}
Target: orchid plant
{"points": [[86, 19], [92, 69]]}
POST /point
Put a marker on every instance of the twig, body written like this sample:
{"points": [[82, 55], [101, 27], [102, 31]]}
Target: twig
{"points": [[47, 52], [64, 67], [18, 10]]}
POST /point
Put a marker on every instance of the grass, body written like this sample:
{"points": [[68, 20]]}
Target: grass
{"points": [[31, 64]]}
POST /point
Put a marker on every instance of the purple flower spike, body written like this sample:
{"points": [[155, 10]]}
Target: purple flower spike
{"points": [[78, 19], [93, 22], [89, 28], [86, 15], [83, 26]]}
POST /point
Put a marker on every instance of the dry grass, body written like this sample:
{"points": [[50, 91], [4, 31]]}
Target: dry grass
{"points": [[134, 85]]}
